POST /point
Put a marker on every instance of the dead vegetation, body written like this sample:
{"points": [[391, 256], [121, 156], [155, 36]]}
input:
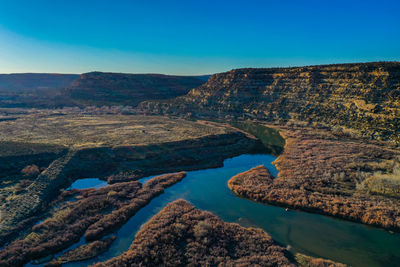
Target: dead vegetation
{"points": [[325, 173], [84, 131], [83, 252], [81, 145], [308, 261], [384, 183], [96, 213], [181, 235], [30, 170]]}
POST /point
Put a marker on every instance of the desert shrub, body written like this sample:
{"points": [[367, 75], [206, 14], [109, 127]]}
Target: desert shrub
{"points": [[202, 229], [22, 185], [308, 261], [385, 184], [30, 170]]}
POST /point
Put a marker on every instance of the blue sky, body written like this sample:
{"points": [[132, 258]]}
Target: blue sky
{"points": [[193, 37]]}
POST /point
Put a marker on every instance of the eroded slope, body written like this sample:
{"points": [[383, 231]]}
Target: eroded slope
{"points": [[363, 97]]}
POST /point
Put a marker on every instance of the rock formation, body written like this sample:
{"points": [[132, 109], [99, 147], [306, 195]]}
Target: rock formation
{"points": [[364, 97]]}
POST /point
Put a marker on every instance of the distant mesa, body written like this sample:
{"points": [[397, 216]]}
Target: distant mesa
{"points": [[19, 82], [100, 88], [93, 88]]}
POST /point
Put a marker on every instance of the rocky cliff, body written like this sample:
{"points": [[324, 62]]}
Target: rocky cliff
{"points": [[363, 97]]}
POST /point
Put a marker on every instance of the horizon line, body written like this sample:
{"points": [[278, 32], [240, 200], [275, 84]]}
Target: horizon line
{"points": [[189, 75]]}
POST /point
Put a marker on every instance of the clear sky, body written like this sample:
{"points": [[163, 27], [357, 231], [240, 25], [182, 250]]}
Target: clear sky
{"points": [[193, 37]]}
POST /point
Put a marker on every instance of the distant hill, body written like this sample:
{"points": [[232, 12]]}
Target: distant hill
{"points": [[100, 88], [31, 81], [32, 89], [364, 97], [94, 88]]}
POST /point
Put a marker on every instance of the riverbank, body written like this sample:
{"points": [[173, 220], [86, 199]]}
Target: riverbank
{"points": [[301, 232], [181, 234], [94, 214], [321, 171], [142, 146]]}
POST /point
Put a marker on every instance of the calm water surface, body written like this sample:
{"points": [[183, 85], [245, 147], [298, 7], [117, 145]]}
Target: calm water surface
{"points": [[312, 234], [87, 183]]}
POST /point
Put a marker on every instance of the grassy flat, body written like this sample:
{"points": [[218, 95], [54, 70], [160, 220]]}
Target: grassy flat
{"points": [[85, 131]]}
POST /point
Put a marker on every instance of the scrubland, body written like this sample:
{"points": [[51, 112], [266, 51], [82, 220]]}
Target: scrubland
{"points": [[54, 148], [183, 235], [83, 131], [94, 214], [331, 173]]}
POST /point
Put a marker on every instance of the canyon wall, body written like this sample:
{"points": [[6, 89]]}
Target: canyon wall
{"points": [[361, 97]]}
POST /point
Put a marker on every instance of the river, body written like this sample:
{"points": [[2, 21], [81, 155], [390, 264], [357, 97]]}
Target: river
{"points": [[313, 234]]}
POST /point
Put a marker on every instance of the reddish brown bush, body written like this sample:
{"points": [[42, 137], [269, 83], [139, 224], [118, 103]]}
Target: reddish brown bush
{"points": [[181, 235], [319, 173], [83, 252], [96, 213], [30, 170]]}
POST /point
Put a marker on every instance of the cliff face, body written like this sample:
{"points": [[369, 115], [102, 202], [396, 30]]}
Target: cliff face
{"points": [[362, 96], [99, 88]]}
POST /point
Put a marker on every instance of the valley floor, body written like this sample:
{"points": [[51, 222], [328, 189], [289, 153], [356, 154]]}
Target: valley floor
{"points": [[43, 152]]}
